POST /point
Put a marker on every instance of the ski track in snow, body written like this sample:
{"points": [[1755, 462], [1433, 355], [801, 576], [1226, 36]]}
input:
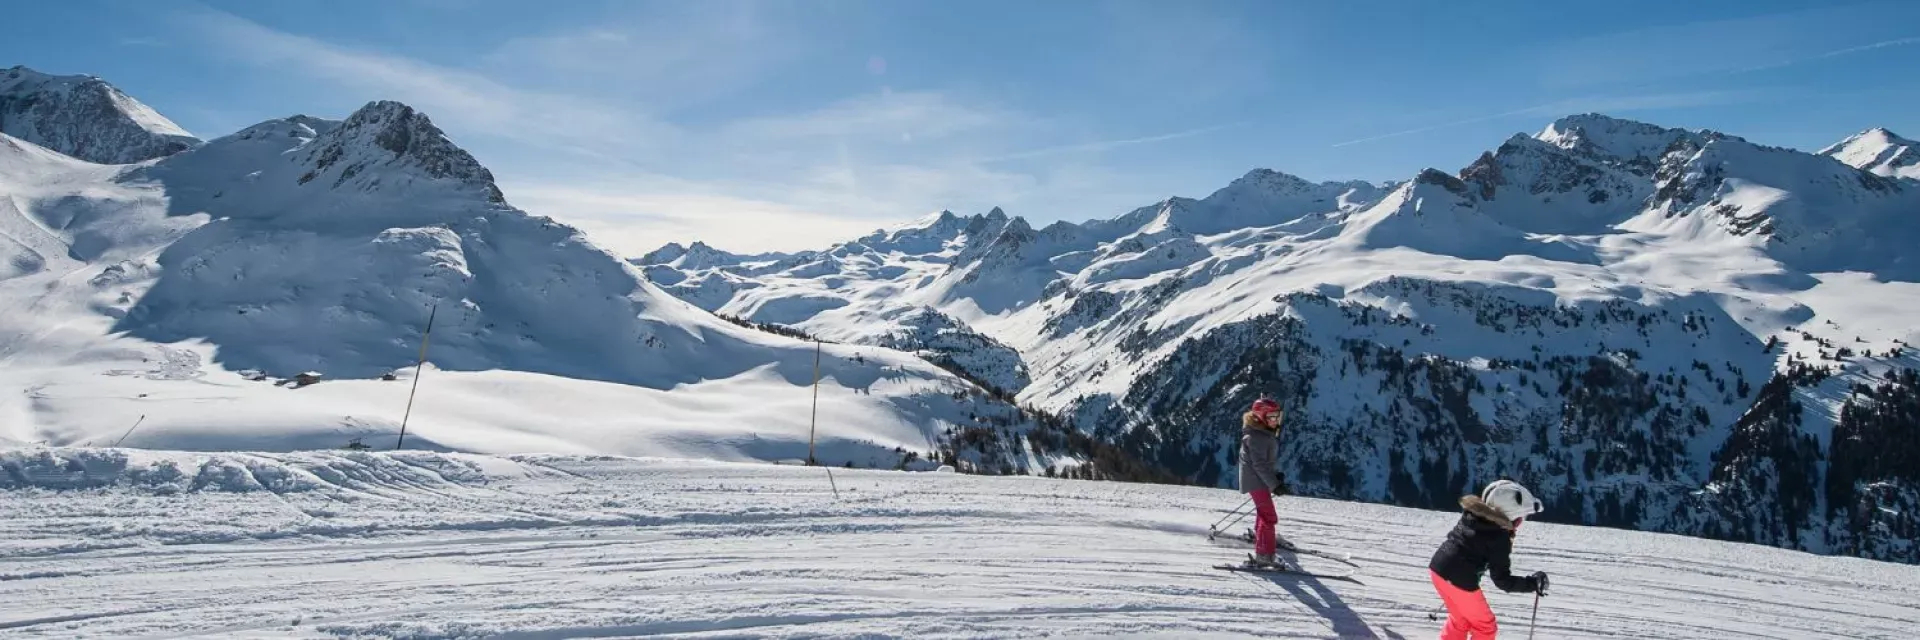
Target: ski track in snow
{"points": [[421, 545]]}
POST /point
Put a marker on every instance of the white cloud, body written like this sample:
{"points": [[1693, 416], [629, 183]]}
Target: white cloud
{"points": [[633, 220], [458, 100], [573, 142]]}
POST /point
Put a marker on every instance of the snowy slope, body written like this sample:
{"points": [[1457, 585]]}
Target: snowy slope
{"points": [[1880, 151], [86, 118], [69, 236], [181, 295], [115, 543], [1598, 308]]}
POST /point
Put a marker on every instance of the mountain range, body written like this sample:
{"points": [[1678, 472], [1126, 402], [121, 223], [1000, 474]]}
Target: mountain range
{"points": [[1659, 329]]}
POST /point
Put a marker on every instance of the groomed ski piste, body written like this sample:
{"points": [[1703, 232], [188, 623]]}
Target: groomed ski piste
{"points": [[122, 543]]}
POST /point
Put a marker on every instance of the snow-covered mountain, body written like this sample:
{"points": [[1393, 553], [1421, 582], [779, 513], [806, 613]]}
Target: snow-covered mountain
{"points": [[701, 256], [86, 118], [1880, 151], [1662, 329], [171, 294]]}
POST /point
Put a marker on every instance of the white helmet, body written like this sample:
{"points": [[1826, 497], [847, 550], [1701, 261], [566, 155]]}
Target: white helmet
{"points": [[1512, 499]]}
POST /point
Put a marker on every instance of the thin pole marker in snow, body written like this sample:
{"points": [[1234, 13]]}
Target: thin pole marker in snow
{"points": [[813, 423], [416, 376], [136, 425]]}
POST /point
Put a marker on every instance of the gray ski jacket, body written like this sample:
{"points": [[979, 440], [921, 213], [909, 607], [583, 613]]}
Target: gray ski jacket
{"points": [[1259, 454]]}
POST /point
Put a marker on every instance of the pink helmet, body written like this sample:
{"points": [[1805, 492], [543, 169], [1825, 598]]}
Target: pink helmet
{"points": [[1264, 407]]}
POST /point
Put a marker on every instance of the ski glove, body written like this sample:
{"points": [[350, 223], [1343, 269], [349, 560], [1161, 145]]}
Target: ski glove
{"points": [[1540, 582]]}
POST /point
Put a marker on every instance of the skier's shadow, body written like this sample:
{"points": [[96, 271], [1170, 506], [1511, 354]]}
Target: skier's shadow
{"points": [[1312, 591]]}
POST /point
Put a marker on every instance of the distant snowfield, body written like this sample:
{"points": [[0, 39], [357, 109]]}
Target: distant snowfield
{"points": [[150, 544], [179, 401]]}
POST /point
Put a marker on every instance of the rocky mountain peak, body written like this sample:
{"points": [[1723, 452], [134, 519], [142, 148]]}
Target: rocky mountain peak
{"points": [[663, 255], [391, 136], [1443, 180], [1635, 146], [1272, 181], [85, 117]]}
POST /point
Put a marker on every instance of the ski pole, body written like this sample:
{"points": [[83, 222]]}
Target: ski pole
{"points": [[1236, 520], [1216, 524], [1536, 615], [1216, 529]]}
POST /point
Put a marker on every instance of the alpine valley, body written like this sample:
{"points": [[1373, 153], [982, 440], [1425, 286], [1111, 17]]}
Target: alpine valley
{"points": [[1657, 329]]}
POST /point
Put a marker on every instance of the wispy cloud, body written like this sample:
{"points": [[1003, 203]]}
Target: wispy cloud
{"points": [[609, 127], [1896, 42], [458, 99], [923, 116], [636, 177], [1697, 49], [1626, 103], [1442, 125], [674, 56], [1664, 66], [1592, 104], [1108, 145]]}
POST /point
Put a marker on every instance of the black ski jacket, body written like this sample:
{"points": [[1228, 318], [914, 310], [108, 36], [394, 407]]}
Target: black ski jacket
{"points": [[1480, 543]]}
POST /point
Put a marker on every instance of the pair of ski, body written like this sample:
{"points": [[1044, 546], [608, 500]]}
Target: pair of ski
{"points": [[1251, 567]]}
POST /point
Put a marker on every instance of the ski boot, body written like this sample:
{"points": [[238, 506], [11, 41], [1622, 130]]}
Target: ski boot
{"points": [[1279, 543], [1262, 561]]}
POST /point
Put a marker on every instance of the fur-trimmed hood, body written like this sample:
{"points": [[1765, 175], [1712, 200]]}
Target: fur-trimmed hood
{"points": [[1479, 508]]}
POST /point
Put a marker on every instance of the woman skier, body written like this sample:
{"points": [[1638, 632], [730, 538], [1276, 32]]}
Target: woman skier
{"points": [[1259, 451], [1480, 543]]}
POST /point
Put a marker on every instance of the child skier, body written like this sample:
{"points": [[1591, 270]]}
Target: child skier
{"points": [[1259, 451], [1479, 543]]}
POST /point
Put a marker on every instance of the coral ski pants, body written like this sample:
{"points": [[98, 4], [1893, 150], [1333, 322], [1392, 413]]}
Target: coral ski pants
{"points": [[1263, 521], [1468, 615]]}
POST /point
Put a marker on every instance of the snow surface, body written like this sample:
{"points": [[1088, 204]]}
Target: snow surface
{"points": [[150, 544]]}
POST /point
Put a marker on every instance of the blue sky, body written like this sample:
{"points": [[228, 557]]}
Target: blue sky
{"points": [[791, 125]]}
